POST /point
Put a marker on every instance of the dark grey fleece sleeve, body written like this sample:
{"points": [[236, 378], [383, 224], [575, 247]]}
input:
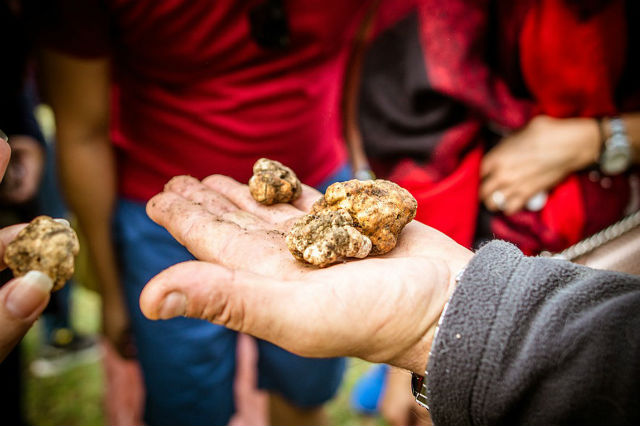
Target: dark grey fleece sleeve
{"points": [[537, 341]]}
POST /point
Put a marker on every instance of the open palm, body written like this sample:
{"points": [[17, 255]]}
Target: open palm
{"points": [[381, 309]]}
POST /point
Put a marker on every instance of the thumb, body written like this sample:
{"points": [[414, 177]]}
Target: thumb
{"points": [[280, 312], [22, 300]]}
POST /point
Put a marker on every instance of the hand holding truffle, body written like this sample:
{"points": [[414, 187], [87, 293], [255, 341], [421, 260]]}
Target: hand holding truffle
{"points": [[247, 279], [41, 256]]}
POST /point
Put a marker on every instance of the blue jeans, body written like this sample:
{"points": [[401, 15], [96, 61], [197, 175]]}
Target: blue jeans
{"points": [[189, 364]]}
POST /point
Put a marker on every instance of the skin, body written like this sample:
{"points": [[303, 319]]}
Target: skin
{"points": [[78, 91], [14, 325], [543, 153], [24, 172], [381, 309]]}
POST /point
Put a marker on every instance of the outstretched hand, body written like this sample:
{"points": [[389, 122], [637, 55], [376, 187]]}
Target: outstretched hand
{"points": [[382, 309]]}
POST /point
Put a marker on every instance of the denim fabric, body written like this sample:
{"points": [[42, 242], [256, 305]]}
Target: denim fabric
{"points": [[189, 364]]}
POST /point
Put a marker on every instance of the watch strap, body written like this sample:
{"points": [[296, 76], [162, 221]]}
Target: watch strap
{"points": [[419, 389]]}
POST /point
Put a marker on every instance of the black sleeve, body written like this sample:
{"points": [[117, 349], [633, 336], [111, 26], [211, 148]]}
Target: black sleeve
{"points": [[537, 341]]}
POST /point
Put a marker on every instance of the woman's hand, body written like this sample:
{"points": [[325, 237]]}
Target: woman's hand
{"points": [[535, 159], [383, 309]]}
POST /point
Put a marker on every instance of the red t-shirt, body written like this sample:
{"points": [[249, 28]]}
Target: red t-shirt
{"points": [[194, 94]]}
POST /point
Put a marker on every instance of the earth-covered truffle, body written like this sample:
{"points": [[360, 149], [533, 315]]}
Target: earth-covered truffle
{"points": [[44, 245], [272, 183], [377, 209], [327, 237]]}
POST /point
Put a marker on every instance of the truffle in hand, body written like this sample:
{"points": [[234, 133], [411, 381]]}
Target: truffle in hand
{"points": [[326, 237], [380, 209], [353, 219], [272, 183], [44, 245]]}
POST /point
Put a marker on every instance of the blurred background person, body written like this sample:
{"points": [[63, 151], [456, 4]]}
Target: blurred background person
{"points": [[522, 115], [143, 92], [27, 190]]}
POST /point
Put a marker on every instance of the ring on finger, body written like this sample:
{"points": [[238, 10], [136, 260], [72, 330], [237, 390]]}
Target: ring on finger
{"points": [[499, 199]]}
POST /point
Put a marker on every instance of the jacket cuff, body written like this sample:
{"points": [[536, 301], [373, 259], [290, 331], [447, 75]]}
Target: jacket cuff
{"points": [[457, 353]]}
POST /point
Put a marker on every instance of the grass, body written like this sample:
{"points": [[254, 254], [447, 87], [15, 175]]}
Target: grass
{"points": [[74, 398]]}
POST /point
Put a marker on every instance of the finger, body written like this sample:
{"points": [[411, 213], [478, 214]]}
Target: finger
{"points": [[503, 198], [240, 196], [488, 165], [5, 154], [283, 313], [21, 302], [491, 194], [490, 184], [192, 189], [507, 181], [211, 237], [307, 198], [515, 203], [7, 235]]}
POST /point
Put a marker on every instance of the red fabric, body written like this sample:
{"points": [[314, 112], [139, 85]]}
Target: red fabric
{"points": [[195, 95], [561, 62], [451, 204], [572, 66]]}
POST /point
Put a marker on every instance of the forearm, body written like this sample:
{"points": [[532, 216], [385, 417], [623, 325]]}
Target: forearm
{"points": [[78, 91], [87, 173]]}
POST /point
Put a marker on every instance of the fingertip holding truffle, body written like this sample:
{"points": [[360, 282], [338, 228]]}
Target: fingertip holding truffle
{"points": [[272, 183], [44, 245]]}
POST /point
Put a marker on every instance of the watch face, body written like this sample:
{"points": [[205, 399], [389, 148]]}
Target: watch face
{"points": [[616, 157], [615, 163]]}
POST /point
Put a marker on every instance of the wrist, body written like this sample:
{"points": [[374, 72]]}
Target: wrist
{"points": [[594, 139]]}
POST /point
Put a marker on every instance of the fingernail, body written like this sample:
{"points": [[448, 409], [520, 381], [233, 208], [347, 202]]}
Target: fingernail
{"points": [[28, 294], [62, 221], [174, 305]]}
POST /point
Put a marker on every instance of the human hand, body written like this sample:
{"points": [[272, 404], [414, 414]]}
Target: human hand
{"points": [[24, 171], [382, 309], [5, 154], [536, 158], [22, 299], [398, 406]]}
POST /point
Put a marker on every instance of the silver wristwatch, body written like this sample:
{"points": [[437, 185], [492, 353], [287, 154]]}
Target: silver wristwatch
{"points": [[616, 154]]}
